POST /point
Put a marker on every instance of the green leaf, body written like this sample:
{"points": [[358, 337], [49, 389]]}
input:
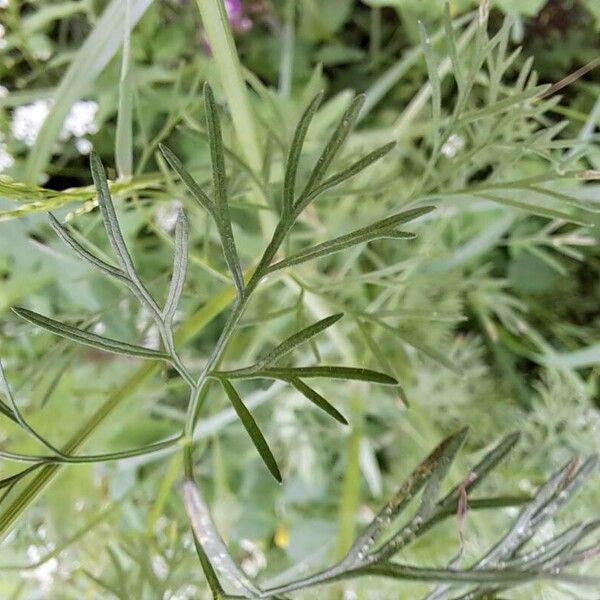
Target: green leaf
{"points": [[300, 337], [333, 146], [180, 260], [483, 468], [291, 167], [199, 196], [482, 576], [87, 256], [113, 232], [348, 373], [85, 337], [109, 216], [380, 229], [351, 171], [222, 217], [432, 466], [318, 400], [438, 473], [252, 428], [501, 106]]}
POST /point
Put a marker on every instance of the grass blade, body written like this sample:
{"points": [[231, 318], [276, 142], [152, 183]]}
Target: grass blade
{"points": [[291, 167], [86, 338], [318, 400], [97, 51], [452, 48], [222, 216], [123, 136], [252, 429], [535, 209], [434, 78], [180, 260]]}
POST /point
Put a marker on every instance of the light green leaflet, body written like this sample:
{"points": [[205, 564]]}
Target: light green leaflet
{"points": [[87, 338], [252, 429]]}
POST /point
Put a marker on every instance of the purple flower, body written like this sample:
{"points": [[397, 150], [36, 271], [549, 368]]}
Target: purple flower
{"points": [[235, 13], [234, 9]]}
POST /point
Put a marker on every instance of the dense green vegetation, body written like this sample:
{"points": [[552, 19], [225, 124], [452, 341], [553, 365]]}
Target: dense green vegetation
{"points": [[313, 242]]}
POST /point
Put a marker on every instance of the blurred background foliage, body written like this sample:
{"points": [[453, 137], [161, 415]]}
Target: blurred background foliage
{"points": [[490, 318]]}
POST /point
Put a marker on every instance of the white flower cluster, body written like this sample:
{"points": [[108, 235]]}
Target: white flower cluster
{"points": [[3, 3], [27, 120], [6, 159], [166, 215], [453, 145]]}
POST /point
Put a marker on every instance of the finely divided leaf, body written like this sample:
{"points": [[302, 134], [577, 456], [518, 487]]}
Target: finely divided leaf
{"points": [[199, 196], [222, 217], [180, 259], [351, 171], [85, 337], [348, 373], [291, 167], [333, 146], [318, 400], [378, 230], [487, 576], [252, 428], [438, 474], [300, 337], [87, 256], [115, 237], [414, 483], [483, 468]]}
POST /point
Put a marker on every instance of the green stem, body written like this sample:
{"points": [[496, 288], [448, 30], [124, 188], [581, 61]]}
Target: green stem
{"points": [[92, 458], [222, 45], [351, 486]]}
